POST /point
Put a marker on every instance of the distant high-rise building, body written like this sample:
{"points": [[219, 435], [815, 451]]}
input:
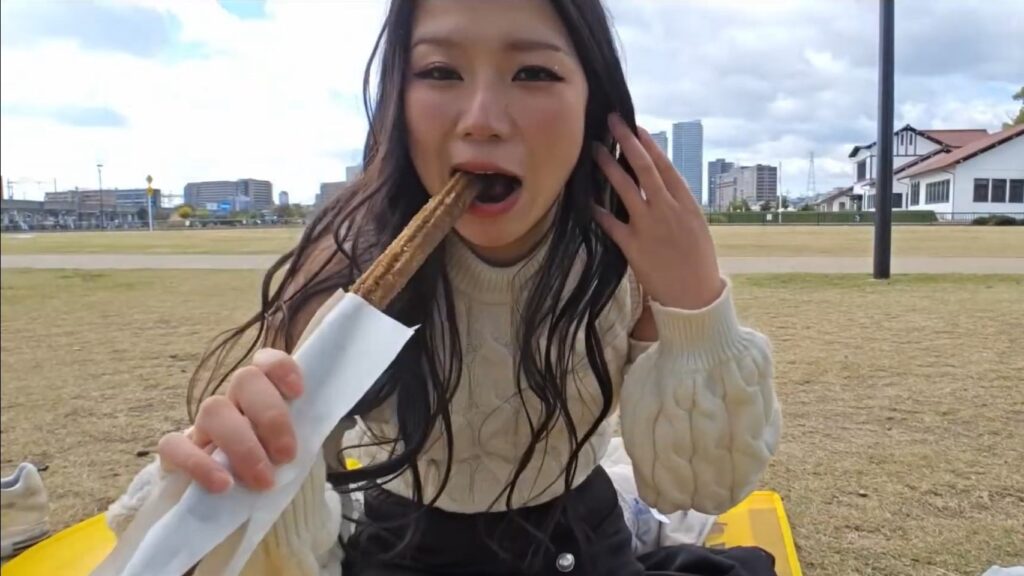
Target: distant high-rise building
{"points": [[244, 194], [282, 198], [688, 154], [353, 172], [755, 184], [328, 190], [715, 169], [661, 139]]}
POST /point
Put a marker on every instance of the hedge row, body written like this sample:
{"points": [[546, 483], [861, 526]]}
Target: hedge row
{"points": [[899, 217], [998, 220]]}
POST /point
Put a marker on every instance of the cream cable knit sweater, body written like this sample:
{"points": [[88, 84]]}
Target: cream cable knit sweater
{"points": [[699, 417]]}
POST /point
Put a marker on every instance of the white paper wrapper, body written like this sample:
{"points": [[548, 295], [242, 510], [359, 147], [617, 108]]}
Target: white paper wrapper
{"points": [[182, 523]]}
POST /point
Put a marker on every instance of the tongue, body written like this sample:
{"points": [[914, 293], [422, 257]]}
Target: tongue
{"points": [[495, 187]]}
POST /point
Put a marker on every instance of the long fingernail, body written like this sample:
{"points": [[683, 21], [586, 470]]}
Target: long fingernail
{"points": [[265, 475], [285, 450], [222, 481]]}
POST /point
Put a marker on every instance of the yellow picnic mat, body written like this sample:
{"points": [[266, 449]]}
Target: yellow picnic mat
{"points": [[760, 520]]}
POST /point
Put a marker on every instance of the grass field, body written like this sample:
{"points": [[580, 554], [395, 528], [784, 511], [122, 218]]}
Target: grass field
{"points": [[903, 401], [957, 241]]}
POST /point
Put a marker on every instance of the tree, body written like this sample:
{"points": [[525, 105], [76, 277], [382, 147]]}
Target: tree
{"points": [[807, 208], [185, 211], [740, 205], [785, 202], [1019, 96], [765, 206], [290, 211]]}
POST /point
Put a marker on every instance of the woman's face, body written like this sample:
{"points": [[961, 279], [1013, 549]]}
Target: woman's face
{"points": [[495, 86]]}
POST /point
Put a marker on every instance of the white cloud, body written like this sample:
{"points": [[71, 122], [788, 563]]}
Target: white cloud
{"points": [[280, 97]]}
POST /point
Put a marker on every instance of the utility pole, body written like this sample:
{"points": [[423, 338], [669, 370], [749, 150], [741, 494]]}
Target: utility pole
{"points": [[884, 169], [149, 200], [99, 174], [778, 192]]}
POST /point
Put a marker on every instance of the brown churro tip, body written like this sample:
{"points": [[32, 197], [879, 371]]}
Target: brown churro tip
{"points": [[389, 273]]}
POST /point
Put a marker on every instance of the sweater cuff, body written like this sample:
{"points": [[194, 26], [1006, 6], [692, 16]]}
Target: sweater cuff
{"points": [[123, 510], [711, 331]]}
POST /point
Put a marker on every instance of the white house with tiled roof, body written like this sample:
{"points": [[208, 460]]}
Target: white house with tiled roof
{"points": [[985, 176], [910, 148]]}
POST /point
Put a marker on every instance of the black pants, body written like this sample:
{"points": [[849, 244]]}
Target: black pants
{"points": [[448, 544]]}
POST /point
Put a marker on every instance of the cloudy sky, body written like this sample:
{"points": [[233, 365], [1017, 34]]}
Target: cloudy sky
{"points": [[205, 89]]}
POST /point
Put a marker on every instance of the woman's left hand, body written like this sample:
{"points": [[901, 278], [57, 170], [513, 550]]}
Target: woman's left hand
{"points": [[666, 241]]}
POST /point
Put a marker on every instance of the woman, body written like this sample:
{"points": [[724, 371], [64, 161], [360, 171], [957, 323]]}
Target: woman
{"points": [[583, 281]]}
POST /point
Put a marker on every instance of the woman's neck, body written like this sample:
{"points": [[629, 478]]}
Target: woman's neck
{"points": [[518, 250]]}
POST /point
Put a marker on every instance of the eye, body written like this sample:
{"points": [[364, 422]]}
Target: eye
{"points": [[536, 74], [438, 72]]}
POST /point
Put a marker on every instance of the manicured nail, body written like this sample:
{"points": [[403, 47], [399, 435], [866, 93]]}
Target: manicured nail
{"points": [[265, 475], [222, 481], [285, 450]]}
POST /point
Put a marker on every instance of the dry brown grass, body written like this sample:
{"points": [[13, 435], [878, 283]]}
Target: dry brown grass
{"points": [[903, 401], [220, 241], [948, 241], [944, 241]]}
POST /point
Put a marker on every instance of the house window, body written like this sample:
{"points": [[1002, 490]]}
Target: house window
{"points": [[862, 170], [842, 205], [915, 193], [981, 189], [999, 191], [897, 200], [1017, 191], [936, 192], [871, 201]]}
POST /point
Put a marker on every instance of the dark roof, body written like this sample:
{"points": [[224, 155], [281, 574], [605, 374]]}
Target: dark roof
{"points": [[969, 151], [838, 192], [953, 138]]}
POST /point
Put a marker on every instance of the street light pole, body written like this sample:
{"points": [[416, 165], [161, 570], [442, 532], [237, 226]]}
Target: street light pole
{"points": [[884, 168], [99, 175], [149, 200]]}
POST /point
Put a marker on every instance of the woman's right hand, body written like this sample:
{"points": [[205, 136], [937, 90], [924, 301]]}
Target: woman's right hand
{"points": [[251, 424]]}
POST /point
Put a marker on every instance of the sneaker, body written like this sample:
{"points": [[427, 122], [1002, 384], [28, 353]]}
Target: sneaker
{"points": [[24, 510]]}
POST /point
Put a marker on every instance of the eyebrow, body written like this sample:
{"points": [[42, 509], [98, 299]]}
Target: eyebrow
{"points": [[515, 45]]}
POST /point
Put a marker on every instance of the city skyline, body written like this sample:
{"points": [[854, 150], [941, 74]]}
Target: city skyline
{"points": [[135, 66]]}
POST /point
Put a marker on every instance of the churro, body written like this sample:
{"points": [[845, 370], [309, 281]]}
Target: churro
{"points": [[392, 270]]}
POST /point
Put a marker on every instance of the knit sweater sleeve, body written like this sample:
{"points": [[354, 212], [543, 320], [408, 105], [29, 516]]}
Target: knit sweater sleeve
{"points": [[302, 542], [700, 417]]}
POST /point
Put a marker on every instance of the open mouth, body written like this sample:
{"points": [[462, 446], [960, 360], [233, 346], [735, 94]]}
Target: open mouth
{"points": [[494, 187]]}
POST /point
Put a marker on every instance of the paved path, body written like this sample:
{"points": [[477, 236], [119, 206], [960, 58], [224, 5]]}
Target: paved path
{"points": [[760, 265]]}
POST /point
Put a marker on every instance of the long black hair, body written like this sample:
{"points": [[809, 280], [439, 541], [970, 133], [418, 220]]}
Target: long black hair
{"points": [[355, 227]]}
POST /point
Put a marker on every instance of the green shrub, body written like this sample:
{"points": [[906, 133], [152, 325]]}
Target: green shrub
{"points": [[1003, 220], [800, 217], [981, 220]]}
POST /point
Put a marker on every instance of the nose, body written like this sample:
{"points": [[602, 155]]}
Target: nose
{"points": [[485, 116]]}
